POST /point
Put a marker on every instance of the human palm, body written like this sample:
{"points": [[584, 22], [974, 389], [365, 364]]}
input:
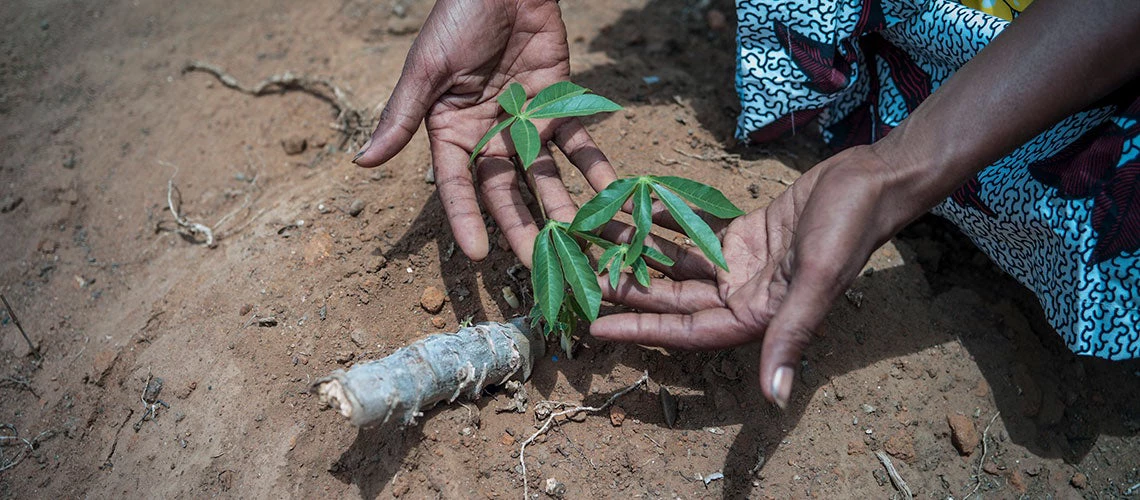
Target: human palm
{"points": [[466, 54], [787, 263]]}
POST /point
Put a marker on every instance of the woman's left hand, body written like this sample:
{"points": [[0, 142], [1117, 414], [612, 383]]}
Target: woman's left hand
{"points": [[788, 262]]}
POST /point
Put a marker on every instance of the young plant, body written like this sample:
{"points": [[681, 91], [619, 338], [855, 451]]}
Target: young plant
{"points": [[565, 284]]}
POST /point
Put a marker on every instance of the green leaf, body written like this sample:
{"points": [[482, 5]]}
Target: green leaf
{"points": [[606, 257], [642, 220], [488, 136], [603, 206], [525, 136], [578, 273], [615, 271], [513, 98], [571, 312], [555, 92], [701, 195], [579, 105], [595, 239], [693, 225], [546, 278], [641, 272], [656, 255]]}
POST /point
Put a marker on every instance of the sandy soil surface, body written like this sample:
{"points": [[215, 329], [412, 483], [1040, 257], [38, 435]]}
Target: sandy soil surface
{"points": [[96, 117]]}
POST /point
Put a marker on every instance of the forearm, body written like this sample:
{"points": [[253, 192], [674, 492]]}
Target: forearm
{"points": [[1056, 59]]}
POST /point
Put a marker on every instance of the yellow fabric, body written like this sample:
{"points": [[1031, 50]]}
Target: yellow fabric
{"points": [[1005, 9]]}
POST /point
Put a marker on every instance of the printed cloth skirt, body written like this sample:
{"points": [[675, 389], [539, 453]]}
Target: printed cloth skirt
{"points": [[1061, 214]]}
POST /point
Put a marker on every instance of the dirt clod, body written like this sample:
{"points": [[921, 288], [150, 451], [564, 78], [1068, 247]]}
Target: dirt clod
{"points": [[901, 445], [507, 439], [990, 468], [104, 361], [294, 145], [432, 299], [438, 322], [359, 338], [1079, 481], [186, 391], [617, 416], [1017, 480], [963, 433]]}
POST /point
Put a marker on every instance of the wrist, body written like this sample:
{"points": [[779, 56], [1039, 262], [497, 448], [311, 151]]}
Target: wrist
{"points": [[917, 173]]}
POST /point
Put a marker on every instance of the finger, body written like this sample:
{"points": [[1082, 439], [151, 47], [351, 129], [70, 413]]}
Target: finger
{"points": [[689, 262], [576, 143], [415, 92], [662, 296], [552, 191], [809, 296], [457, 194], [498, 182], [702, 330]]}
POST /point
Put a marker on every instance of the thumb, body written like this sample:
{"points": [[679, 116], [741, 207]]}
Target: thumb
{"points": [[418, 87], [812, 289]]}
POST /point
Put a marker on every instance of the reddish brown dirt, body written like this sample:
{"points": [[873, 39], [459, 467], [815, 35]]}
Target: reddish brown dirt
{"points": [[96, 119]]}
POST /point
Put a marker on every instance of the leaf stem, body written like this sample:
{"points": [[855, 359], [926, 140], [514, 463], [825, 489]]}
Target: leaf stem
{"points": [[532, 183]]}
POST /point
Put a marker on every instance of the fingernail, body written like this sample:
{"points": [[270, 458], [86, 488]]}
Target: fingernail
{"points": [[782, 386], [362, 151]]}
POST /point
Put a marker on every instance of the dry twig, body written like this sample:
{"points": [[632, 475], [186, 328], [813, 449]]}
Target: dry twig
{"points": [[896, 479], [13, 439], [352, 122], [150, 400], [187, 227], [12, 314], [982, 462], [570, 411]]}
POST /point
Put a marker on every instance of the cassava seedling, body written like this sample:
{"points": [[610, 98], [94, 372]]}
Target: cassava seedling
{"points": [[565, 284]]}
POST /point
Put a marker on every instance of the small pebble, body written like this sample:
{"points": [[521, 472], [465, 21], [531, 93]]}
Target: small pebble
{"points": [[356, 208], [359, 338], [432, 300], [293, 145], [554, 488]]}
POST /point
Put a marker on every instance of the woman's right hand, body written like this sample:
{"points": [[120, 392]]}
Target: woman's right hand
{"points": [[466, 54]]}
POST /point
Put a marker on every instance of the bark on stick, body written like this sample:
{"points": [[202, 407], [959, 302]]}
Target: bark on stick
{"points": [[441, 367]]}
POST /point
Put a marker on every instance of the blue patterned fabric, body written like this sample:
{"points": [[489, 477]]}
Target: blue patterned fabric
{"points": [[1061, 214]]}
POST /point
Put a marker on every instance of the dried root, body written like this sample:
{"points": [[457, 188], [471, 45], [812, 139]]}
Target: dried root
{"points": [[10, 437], [353, 123], [187, 227], [553, 416]]}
